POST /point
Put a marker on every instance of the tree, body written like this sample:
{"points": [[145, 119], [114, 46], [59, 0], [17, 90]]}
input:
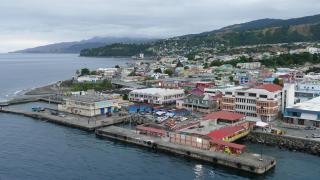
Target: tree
{"points": [[84, 71], [179, 64], [190, 56], [157, 70], [93, 73], [231, 78], [205, 66], [169, 72], [216, 63], [278, 81], [125, 97], [148, 78], [117, 66], [78, 72], [133, 73], [186, 67]]}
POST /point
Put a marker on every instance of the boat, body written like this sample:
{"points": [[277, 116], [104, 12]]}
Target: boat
{"points": [[37, 109]]}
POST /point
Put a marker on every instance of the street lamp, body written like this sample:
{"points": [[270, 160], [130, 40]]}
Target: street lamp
{"points": [[260, 159]]}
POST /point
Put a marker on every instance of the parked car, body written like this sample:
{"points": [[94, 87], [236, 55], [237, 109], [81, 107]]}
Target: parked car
{"points": [[310, 128], [61, 115], [315, 135], [161, 119]]}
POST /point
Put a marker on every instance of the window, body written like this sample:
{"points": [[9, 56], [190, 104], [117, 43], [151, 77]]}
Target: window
{"points": [[240, 94], [229, 93], [199, 140], [252, 94], [263, 96]]}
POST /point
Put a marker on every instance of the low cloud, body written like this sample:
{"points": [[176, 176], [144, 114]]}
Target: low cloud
{"points": [[38, 22]]}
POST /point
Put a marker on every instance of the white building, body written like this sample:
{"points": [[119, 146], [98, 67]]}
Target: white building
{"points": [[288, 94], [108, 72], [313, 50], [156, 95], [307, 90], [89, 78], [252, 65]]}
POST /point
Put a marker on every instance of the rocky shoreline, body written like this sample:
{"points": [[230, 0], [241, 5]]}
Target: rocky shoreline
{"points": [[306, 145]]}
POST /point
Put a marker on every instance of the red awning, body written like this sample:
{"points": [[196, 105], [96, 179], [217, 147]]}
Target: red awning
{"points": [[228, 144]]}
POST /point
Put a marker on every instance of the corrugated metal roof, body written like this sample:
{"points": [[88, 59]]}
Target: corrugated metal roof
{"points": [[225, 115], [225, 132]]}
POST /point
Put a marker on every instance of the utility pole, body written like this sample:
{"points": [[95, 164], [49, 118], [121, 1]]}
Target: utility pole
{"points": [[260, 141]]}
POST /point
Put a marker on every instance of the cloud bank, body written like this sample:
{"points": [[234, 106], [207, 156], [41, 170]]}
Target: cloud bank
{"points": [[38, 22]]}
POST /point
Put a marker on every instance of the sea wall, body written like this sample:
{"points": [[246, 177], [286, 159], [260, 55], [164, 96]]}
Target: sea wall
{"points": [[284, 141]]}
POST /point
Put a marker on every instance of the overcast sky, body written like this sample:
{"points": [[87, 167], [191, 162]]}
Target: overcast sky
{"points": [[29, 23]]}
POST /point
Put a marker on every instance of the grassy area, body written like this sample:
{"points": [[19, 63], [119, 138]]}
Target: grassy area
{"points": [[97, 86]]}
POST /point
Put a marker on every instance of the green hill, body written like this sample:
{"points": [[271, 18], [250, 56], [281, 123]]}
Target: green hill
{"points": [[263, 31], [118, 50]]}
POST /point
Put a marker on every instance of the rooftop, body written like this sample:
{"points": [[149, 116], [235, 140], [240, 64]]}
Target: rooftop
{"points": [[224, 132], [310, 105], [225, 115], [269, 87], [88, 98], [154, 91]]}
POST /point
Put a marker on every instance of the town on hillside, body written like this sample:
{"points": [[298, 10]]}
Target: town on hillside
{"points": [[200, 106]]}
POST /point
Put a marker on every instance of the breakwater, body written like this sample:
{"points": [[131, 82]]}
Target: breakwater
{"points": [[83, 123], [307, 145]]}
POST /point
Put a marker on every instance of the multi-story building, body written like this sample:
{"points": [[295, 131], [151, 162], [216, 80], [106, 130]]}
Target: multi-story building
{"points": [[306, 113], [288, 94], [307, 90], [156, 95], [253, 65], [108, 72], [201, 103], [259, 103]]}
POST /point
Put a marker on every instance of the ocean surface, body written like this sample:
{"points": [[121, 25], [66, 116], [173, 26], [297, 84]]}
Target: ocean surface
{"points": [[20, 72], [34, 149]]}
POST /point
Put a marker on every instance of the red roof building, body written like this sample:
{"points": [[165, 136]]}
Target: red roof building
{"points": [[228, 144], [146, 129], [225, 132], [221, 139], [197, 91], [270, 87], [224, 116]]}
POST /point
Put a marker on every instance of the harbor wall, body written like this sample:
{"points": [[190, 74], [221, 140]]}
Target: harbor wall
{"points": [[284, 141], [244, 163]]}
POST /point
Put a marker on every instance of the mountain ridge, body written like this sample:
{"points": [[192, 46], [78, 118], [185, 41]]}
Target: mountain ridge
{"points": [[77, 46]]}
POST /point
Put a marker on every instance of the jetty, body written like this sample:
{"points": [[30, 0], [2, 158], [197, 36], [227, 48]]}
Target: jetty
{"points": [[83, 123], [249, 162]]}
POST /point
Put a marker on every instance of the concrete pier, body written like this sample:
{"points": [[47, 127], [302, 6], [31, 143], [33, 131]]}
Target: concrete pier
{"points": [[82, 123], [253, 163]]}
